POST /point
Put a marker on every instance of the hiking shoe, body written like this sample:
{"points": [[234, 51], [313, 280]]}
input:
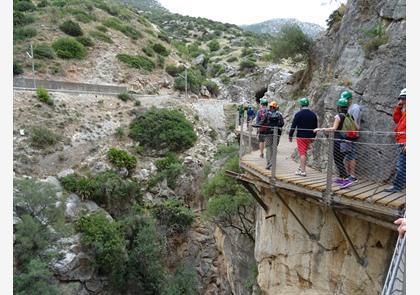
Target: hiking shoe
{"points": [[268, 167], [352, 178], [392, 189], [346, 183], [338, 180], [300, 172], [261, 155]]}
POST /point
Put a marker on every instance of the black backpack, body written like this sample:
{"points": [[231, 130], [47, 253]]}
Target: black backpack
{"points": [[274, 119]]}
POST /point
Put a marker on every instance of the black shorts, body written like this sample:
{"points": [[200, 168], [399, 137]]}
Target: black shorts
{"points": [[261, 137]]}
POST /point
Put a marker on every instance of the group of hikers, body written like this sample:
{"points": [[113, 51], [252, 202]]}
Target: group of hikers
{"points": [[346, 128]]}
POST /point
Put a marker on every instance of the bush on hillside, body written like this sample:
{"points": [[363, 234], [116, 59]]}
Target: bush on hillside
{"points": [[42, 137], [67, 47], [247, 64], [26, 5], [149, 51], [213, 45], [183, 282], [168, 168], [23, 33], [160, 49], [164, 37], [105, 188], [43, 51], [194, 81], [35, 279], [125, 96], [121, 159], [71, 28], [216, 70], [137, 61], [82, 16], [85, 41], [22, 19], [373, 38], [42, 4], [163, 129], [174, 70], [334, 20], [127, 30], [44, 96], [173, 215], [101, 36], [17, 68], [212, 87], [106, 243], [293, 43], [232, 59]]}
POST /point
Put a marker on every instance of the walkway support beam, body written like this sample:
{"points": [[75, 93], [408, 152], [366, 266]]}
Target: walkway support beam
{"points": [[360, 260]]}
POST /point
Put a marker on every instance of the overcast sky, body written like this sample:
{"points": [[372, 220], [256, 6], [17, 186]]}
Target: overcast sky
{"points": [[241, 12]]}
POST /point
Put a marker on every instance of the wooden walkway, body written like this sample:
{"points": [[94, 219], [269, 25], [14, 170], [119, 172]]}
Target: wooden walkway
{"points": [[366, 195]]}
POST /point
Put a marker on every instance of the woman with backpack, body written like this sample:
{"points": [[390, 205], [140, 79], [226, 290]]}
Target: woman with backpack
{"points": [[339, 148]]}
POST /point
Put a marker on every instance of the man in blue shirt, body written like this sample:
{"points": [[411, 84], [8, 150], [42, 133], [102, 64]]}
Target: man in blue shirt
{"points": [[305, 121]]}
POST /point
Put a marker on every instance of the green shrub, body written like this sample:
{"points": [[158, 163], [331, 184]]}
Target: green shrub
{"points": [[174, 70], [161, 61], [216, 70], [163, 129], [334, 20], [213, 45], [212, 87], [116, 24], [184, 282], [226, 151], [228, 201], [121, 159], [23, 33], [44, 96], [247, 64], [168, 168], [124, 96], [102, 28], [85, 41], [59, 3], [42, 4], [83, 17], [293, 43], [160, 49], [26, 5], [373, 38], [43, 51], [106, 243], [145, 267], [105, 188], [164, 37], [225, 79], [22, 19], [68, 47], [137, 61], [149, 51], [119, 133], [36, 279], [174, 215], [101, 36], [42, 137], [17, 68], [71, 28], [232, 59], [194, 81]]}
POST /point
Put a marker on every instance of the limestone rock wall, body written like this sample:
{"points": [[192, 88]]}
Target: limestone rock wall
{"points": [[289, 262]]}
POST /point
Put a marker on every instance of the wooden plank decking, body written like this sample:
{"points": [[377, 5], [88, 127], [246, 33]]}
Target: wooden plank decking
{"points": [[367, 195]]}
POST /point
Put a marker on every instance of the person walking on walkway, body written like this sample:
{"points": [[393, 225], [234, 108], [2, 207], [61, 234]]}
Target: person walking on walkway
{"points": [[351, 155], [241, 112], [305, 121], [262, 130], [400, 138], [343, 177], [273, 119], [249, 114]]}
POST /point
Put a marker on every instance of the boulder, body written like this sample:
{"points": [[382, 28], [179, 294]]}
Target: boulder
{"points": [[199, 60]]}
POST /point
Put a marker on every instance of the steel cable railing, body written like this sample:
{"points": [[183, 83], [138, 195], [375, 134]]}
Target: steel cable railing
{"points": [[374, 157]]}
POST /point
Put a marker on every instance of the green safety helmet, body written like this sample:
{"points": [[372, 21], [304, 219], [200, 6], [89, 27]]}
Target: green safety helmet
{"points": [[304, 102], [342, 102], [264, 101], [346, 94]]}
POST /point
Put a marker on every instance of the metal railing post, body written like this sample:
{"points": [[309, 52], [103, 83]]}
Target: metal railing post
{"points": [[328, 191], [249, 138], [273, 159]]}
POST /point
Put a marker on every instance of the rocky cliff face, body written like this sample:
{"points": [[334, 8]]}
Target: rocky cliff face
{"points": [[289, 262]]}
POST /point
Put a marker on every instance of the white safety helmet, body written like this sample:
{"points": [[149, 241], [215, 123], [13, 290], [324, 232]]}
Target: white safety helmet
{"points": [[403, 93]]}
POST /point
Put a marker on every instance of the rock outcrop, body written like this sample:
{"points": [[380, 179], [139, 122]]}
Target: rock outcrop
{"points": [[289, 262]]}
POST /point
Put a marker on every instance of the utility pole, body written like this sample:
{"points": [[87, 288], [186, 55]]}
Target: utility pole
{"points": [[186, 82], [31, 56]]}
